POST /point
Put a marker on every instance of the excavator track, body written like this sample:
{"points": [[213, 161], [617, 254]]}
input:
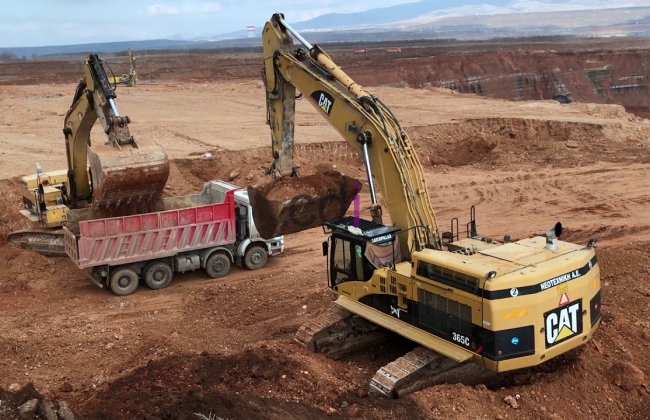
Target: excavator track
{"points": [[50, 243], [422, 368], [407, 373], [337, 333]]}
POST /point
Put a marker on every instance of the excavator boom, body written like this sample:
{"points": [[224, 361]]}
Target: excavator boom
{"points": [[367, 125]]}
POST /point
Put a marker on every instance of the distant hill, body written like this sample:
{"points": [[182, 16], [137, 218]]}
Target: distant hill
{"points": [[104, 47], [426, 19], [388, 14]]}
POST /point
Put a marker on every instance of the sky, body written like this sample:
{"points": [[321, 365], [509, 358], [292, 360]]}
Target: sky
{"points": [[30, 23]]}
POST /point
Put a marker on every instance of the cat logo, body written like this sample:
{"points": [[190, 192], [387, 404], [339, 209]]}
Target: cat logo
{"points": [[563, 323], [324, 100]]}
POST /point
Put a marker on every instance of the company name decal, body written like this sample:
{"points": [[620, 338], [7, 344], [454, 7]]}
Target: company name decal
{"points": [[560, 279]]}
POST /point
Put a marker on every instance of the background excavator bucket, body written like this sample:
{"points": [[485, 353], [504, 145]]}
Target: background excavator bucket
{"points": [[294, 204], [131, 176]]}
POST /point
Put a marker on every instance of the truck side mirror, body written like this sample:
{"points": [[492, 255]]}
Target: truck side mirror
{"points": [[325, 248]]}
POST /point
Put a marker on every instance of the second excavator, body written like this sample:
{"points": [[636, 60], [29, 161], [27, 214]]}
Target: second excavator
{"points": [[116, 176], [502, 305]]}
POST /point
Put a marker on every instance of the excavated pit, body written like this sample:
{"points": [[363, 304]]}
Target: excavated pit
{"points": [[202, 345]]}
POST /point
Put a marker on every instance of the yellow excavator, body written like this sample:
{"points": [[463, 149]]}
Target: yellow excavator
{"points": [[126, 79], [502, 305], [114, 177]]}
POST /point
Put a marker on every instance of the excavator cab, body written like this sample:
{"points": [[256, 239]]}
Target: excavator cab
{"points": [[358, 248]]}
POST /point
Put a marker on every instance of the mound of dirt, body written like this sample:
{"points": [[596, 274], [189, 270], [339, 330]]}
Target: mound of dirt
{"points": [[10, 204], [270, 381], [492, 142]]}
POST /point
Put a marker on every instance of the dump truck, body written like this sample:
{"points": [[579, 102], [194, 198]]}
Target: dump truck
{"points": [[208, 231]]}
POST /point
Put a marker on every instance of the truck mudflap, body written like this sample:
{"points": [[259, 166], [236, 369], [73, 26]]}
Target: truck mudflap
{"points": [[278, 211]]}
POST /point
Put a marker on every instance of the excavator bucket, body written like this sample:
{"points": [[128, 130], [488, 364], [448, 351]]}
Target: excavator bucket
{"points": [[130, 176], [294, 204], [47, 242]]}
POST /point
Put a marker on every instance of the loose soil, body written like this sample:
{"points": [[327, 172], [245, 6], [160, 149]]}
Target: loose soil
{"points": [[226, 347], [293, 204]]}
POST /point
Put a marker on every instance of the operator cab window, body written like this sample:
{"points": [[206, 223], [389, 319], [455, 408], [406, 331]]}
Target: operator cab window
{"points": [[349, 262], [356, 251]]}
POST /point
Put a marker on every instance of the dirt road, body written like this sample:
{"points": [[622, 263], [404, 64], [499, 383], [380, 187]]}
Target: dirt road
{"points": [[226, 347]]}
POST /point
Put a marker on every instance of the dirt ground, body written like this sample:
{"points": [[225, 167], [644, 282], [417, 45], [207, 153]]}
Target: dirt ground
{"points": [[225, 347]]}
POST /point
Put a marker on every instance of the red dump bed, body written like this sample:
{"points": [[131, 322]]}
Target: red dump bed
{"points": [[122, 240]]}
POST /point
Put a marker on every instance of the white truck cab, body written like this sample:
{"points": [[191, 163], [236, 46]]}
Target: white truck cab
{"points": [[252, 251]]}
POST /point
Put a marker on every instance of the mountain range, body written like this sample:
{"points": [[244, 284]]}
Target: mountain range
{"points": [[426, 19]]}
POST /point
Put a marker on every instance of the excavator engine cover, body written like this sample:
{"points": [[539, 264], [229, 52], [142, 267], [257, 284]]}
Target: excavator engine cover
{"points": [[324, 197], [130, 176]]}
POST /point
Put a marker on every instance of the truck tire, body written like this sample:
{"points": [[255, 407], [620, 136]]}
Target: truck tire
{"points": [[217, 265], [158, 275], [255, 257], [124, 281]]}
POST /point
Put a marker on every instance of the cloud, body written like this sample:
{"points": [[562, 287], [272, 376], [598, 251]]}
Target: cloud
{"points": [[211, 7], [162, 10], [187, 9]]}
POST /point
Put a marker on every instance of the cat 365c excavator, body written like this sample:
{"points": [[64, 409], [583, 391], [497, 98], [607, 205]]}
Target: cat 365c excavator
{"points": [[503, 305], [117, 176]]}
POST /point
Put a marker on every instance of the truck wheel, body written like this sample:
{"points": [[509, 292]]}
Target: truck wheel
{"points": [[217, 265], [124, 281], [158, 275], [255, 257]]}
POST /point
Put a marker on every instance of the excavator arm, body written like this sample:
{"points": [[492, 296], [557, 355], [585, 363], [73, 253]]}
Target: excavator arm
{"points": [[122, 170], [366, 124]]}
